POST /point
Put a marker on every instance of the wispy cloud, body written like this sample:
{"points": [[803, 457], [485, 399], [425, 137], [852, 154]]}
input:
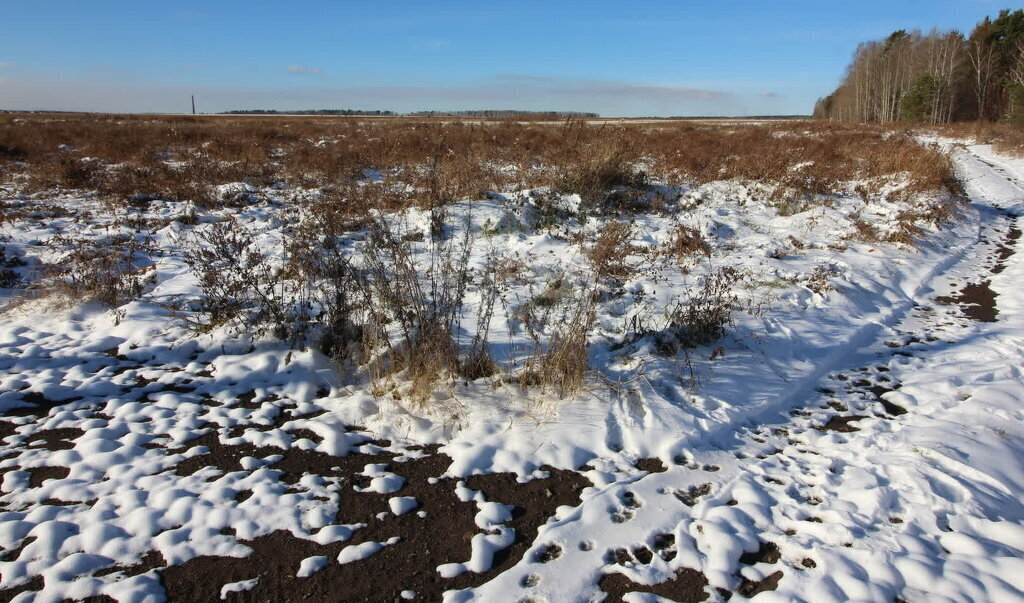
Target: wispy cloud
{"points": [[6, 65], [769, 95], [607, 97], [612, 88], [303, 70]]}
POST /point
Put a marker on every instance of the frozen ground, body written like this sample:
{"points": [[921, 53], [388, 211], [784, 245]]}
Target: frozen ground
{"points": [[860, 441]]}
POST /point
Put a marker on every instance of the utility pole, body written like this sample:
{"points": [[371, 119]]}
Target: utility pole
{"points": [[193, 104]]}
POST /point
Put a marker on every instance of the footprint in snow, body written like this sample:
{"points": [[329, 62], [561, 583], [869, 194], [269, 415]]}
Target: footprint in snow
{"points": [[547, 553]]}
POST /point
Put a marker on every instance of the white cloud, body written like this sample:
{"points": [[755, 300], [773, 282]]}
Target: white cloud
{"points": [[303, 70], [6, 65], [607, 97]]}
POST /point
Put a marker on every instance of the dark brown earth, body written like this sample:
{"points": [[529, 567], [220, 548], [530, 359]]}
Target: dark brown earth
{"points": [[878, 390], [749, 588], [651, 465], [767, 552], [1005, 249], [39, 405], [38, 475], [443, 536], [689, 498], [976, 300], [688, 586], [841, 424]]}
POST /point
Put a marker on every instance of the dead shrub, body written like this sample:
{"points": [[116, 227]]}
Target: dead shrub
{"points": [[432, 162], [12, 153], [704, 316], [606, 177], [317, 260], [563, 363], [789, 202], [820, 279], [242, 287], [68, 173], [906, 231], [865, 231], [422, 300], [9, 262], [685, 242], [609, 255], [495, 275], [109, 270]]}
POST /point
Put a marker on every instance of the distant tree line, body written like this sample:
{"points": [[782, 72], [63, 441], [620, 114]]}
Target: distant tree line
{"points": [[488, 113], [936, 77], [506, 113], [306, 112]]}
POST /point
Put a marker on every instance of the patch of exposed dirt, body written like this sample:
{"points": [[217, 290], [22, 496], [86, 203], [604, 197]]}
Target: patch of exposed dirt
{"points": [[442, 536], [767, 552], [149, 561], [7, 429], [689, 498], [688, 585], [1005, 249], [224, 458], [38, 475], [841, 424], [13, 554], [533, 503], [976, 300], [893, 409], [57, 439], [33, 585], [651, 465], [749, 588], [40, 405]]}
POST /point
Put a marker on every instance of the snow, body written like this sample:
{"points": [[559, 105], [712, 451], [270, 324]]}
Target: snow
{"points": [[941, 470], [484, 547], [238, 587], [949, 470], [381, 482], [311, 565], [357, 552], [400, 505]]}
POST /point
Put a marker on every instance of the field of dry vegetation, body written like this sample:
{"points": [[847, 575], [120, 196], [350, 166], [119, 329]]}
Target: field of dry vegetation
{"points": [[180, 158], [390, 299]]}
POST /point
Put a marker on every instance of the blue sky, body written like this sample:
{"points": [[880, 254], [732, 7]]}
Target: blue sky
{"points": [[727, 57]]}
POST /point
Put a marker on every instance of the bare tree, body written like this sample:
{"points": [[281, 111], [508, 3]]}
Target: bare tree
{"points": [[982, 60]]}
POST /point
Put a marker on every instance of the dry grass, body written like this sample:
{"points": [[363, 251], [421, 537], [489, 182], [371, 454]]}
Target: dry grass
{"points": [[422, 302], [242, 287], [704, 316], [609, 255], [110, 270], [685, 243], [1006, 138], [563, 363], [608, 165]]}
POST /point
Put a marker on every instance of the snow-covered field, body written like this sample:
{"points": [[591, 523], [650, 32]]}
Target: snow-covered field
{"points": [[855, 435]]}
